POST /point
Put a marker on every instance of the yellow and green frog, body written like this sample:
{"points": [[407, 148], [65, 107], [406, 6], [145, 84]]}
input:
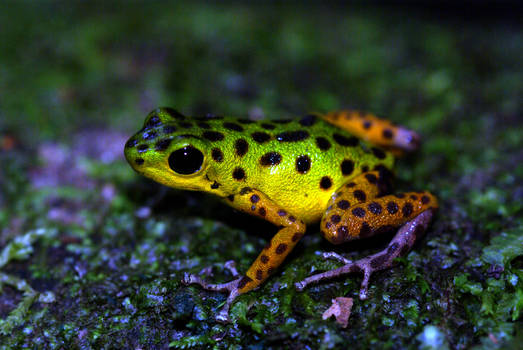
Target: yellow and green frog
{"points": [[335, 168]]}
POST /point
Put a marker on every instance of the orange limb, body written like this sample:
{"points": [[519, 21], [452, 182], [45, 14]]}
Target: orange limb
{"points": [[380, 132], [402, 242], [292, 229], [275, 252], [356, 211]]}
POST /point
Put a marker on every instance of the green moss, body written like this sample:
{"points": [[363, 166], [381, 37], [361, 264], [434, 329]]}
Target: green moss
{"points": [[114, 246]]}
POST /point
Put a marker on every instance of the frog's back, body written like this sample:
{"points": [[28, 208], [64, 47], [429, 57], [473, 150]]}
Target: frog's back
{"points": [[296, 163]]}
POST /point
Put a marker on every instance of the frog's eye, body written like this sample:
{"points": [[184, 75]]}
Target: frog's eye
{"points": [[185, 161]]}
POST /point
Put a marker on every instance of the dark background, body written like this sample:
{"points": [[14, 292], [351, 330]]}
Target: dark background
{"points": [[102, 250]]}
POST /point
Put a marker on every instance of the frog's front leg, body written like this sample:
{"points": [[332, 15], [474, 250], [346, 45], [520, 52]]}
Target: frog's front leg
{"points": [[354, 212], [273, 254]]}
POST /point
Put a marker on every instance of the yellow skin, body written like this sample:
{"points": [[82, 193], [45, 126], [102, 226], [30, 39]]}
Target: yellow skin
{"points": [[335, 168]]}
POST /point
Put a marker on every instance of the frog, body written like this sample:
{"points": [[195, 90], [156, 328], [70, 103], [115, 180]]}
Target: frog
{"points": [[335, 168]]}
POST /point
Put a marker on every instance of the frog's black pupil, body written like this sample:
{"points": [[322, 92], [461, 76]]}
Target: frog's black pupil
{"points": [[187, 160]]}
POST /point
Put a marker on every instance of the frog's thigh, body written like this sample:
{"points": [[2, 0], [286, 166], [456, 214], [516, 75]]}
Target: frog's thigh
{"points": [[355, 211], [291, 231], [378, 131]]}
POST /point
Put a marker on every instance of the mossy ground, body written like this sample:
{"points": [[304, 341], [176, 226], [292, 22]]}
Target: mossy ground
{"points": [[102, 250]]}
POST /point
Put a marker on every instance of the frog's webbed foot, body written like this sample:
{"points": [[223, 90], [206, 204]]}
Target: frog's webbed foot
{"points": [[400, 245], [231, 287], [363, 265]]}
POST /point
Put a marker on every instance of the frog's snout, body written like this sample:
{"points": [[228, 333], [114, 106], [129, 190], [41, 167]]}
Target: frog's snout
{"points": [[153, 146], [154, 137], [135, 150]]}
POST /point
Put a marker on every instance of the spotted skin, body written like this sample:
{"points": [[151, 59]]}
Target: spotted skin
{"points": [[256, 203], [336, 168], [355, 212], [378, 131], [266, 154], [402, 242]]}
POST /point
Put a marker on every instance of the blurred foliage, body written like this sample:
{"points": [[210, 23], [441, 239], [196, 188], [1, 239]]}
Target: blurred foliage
{"points": [[76, 78]]}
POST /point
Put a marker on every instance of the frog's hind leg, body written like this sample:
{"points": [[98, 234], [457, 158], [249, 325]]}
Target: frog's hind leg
{"points": [[380, 132], [400, 245], [355, 212]]}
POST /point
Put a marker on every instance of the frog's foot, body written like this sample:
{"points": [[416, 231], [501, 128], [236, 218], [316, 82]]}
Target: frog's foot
{"points": [[335, 256], [233, 288], [363, 265], [400, 245]]}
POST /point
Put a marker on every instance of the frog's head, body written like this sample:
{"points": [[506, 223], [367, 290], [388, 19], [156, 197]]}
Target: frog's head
{"points": [[166, 151]]}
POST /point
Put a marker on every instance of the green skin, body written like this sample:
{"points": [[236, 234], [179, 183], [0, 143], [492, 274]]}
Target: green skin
{"points": [[290, 173], [299, 192]]}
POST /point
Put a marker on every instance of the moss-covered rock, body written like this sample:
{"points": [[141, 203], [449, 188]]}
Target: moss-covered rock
{"points": [[91, 255]]}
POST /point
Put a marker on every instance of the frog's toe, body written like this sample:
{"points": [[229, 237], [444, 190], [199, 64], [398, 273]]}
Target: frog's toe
{"points": [[231, 266], [233, 288], [340, 271], [223, 316], [189, 278], [364, 266], [407, 140], [399, 246], [335, 256]]}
